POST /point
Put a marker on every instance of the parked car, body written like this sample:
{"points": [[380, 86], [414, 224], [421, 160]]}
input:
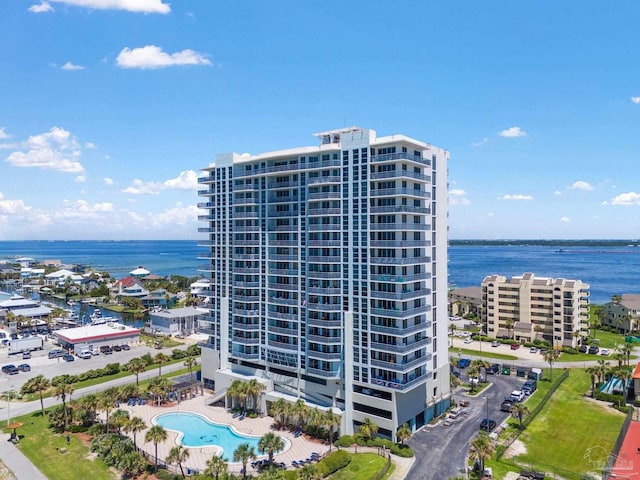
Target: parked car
{"points": [[529, 387], [24, 367], [464, 362], [68, 357], [605, 352], [116, 348], [533, 350], [495, 343], [85, 354], [106, 349], [583, 348], [517, 395], [493, 369], [506, 405], [515, 346], [468, 340], [487, 424], [26, 355], [126, 347], [56, 352], [10, 369], [594, 350]]}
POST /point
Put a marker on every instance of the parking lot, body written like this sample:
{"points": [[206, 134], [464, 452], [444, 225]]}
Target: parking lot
{"points": [[41, 364]]}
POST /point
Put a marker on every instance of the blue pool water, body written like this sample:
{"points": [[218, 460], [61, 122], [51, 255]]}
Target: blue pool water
{"points": [[198, 432]]}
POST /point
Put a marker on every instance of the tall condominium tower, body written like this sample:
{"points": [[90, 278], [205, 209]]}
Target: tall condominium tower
{"points": [[328, 276]]}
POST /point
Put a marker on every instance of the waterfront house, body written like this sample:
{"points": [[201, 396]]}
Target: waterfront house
{"points": [[623, 313], [176, 321], [159, 298], [129, 287], [62, 276]]}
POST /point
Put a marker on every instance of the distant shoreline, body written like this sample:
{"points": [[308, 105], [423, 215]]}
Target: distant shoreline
{"points": [[546, 243]]}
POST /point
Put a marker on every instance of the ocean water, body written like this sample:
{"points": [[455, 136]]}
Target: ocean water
{"points": [[609, 270]]}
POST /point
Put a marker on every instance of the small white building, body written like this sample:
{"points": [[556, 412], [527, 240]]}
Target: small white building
{"points": [[176, 320], [96, 336]]}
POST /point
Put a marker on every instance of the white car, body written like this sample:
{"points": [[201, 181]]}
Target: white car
{"points": [[605, 352], [468, 340], [517, 395]]}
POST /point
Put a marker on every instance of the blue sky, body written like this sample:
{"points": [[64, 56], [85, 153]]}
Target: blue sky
{"points": [[110, 108]]}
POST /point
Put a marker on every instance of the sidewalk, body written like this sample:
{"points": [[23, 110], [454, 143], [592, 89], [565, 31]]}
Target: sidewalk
{"points": [[15, 461], [402, 464]]}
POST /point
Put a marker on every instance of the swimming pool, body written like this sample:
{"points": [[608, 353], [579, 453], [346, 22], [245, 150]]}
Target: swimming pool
{"points": [[196, 431]]}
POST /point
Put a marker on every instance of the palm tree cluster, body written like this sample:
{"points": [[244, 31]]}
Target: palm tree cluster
{"points": [[602, 372], [240, 392], [300, 417]]}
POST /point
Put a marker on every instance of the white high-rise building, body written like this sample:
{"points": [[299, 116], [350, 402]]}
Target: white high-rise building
{"points": [[328, 276]]}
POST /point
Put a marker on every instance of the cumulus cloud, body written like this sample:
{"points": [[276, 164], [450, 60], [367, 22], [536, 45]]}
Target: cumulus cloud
{"points": [[635, 99], [138, 6], [70, 66], [82, 210], [12, 207], [513, 132], [187, 180], [80, 179], [3, 135], [108, 181], [152, 57], [52, 150], [508, 196], [457, 196], [41, 8], [482, 142], [629, 198], [565, 219], [558, 193], [581, 185], [89, 146]]}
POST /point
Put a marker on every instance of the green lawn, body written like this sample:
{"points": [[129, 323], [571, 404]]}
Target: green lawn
{"points": [[567, 427], [607, 339], [41, 445], [478, 353], [362, 467]]}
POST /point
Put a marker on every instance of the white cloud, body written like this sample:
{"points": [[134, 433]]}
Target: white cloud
{"points": [[457, 196], [513, 132], [187, 180], [80, 179], [515, 197], [629, 198], [108, 181], [482, 142], [3, 135], [53, 150], [558, 193], [70, 67], [150, 57], [82, 210], [635, 99], [12, 207], [581, 185], [42, 8], [179, 215], [565, 219], [141, 6], [89, 145]]}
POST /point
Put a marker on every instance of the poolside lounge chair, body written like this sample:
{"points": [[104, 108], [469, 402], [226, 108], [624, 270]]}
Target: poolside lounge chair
{"points": [[295, 464]]}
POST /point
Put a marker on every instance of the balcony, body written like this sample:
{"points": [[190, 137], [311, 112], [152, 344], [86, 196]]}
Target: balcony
{"points": [[397, 385], [408, 295], [390, 157], [400, 347], [284, 316], [401, 366], [284, 331], [398, 260], [316, 372], [283, 301], [400, 209], [282, 286], [242, 270], [282, 271], [276, 185], [246, 356], [324, 243], [323, 164], [324, 355], [324, 291], [331, 259], [324, 307], [325, 340], [399, 331], [325, 180], [291, 347], [321, 275], [401, 227], [323, 227], [398, 313], [318, 322], [324, 211], [245, 214], [324, 195], [400, 174], [246, 298], [243, 187], [246, 341], [399, 192]]}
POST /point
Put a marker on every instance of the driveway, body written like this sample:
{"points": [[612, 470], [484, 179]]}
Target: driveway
{"points": [[440, 451]]}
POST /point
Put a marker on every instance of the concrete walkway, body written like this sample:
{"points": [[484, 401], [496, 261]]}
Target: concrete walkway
{"points": [[14, 459]]}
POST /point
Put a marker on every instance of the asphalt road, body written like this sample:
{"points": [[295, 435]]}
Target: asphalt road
{"points": [[440, 451]]}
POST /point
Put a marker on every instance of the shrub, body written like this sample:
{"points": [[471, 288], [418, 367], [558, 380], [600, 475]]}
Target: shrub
{"points": [[345, 441], [166, 475], [111, 369], [176, 354], [404, 451], [569, 350], [334, 462], [193, 350]]}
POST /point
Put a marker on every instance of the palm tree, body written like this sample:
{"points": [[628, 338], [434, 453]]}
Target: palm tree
{"points": [[280, 408], [626, 350], [178, 455], [309, 472], [40, 384], [191, 362], [254, 388], [160, 358], [368, 429], [156, 434], [593, 373], [550, 356], [137, 366], [519, 410], [159, 387], [481, 447], [331, 420], [107, 401], [90, 403], [238, 391], [61, 391], [135, 425], [243, 454], [472, 372], [403, 433], [509, 323], [270, 443], [215, 466], [300, 412]]}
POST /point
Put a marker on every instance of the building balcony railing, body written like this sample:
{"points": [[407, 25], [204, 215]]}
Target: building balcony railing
{"points": [[283, 301], [246, 341], [246, 256], [324, 211], [246, 298], [323, 164], [206, 205], [408, 295], [282, 271], [324, 243], [400, 174], [401, 366], [396, 384], [400, 209], [283, 286], [318, 322], [285, 214], [400, 347], [400, 331], [246, 228], [325, 180], [283, 316], [401, 227], [290, 347], [237, 201], [282, 228], [329, 275], [244, 187], [399, 243], [246, 312], [247, 327], [206, 218], [246, 356], [324, 355], [398, 313], [206, 230], [398, 260], [206, 331], [399, 192], [325, 340], [328, 259], [400, 279], [389, 157], [324, 195], [316, 372], [284, 331], [284, 243], [207, 179], [283, 257], [243, 270], [276, 185], [324, 227], [287, 199], [324, 307], [324, 291]]}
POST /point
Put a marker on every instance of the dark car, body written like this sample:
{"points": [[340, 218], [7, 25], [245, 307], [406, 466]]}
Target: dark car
{"points": [[10, 369], [593, 349], [506, 405], [68, 357], [24, 367], [529, 387], [583, 348], [55, 353], [464, 362], [117, 348], [106, 349], [493, 369], [487, 424], [126, 347]]}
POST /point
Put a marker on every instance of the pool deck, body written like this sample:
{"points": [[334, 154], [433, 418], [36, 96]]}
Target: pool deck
{"points": [[298, 449]]}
